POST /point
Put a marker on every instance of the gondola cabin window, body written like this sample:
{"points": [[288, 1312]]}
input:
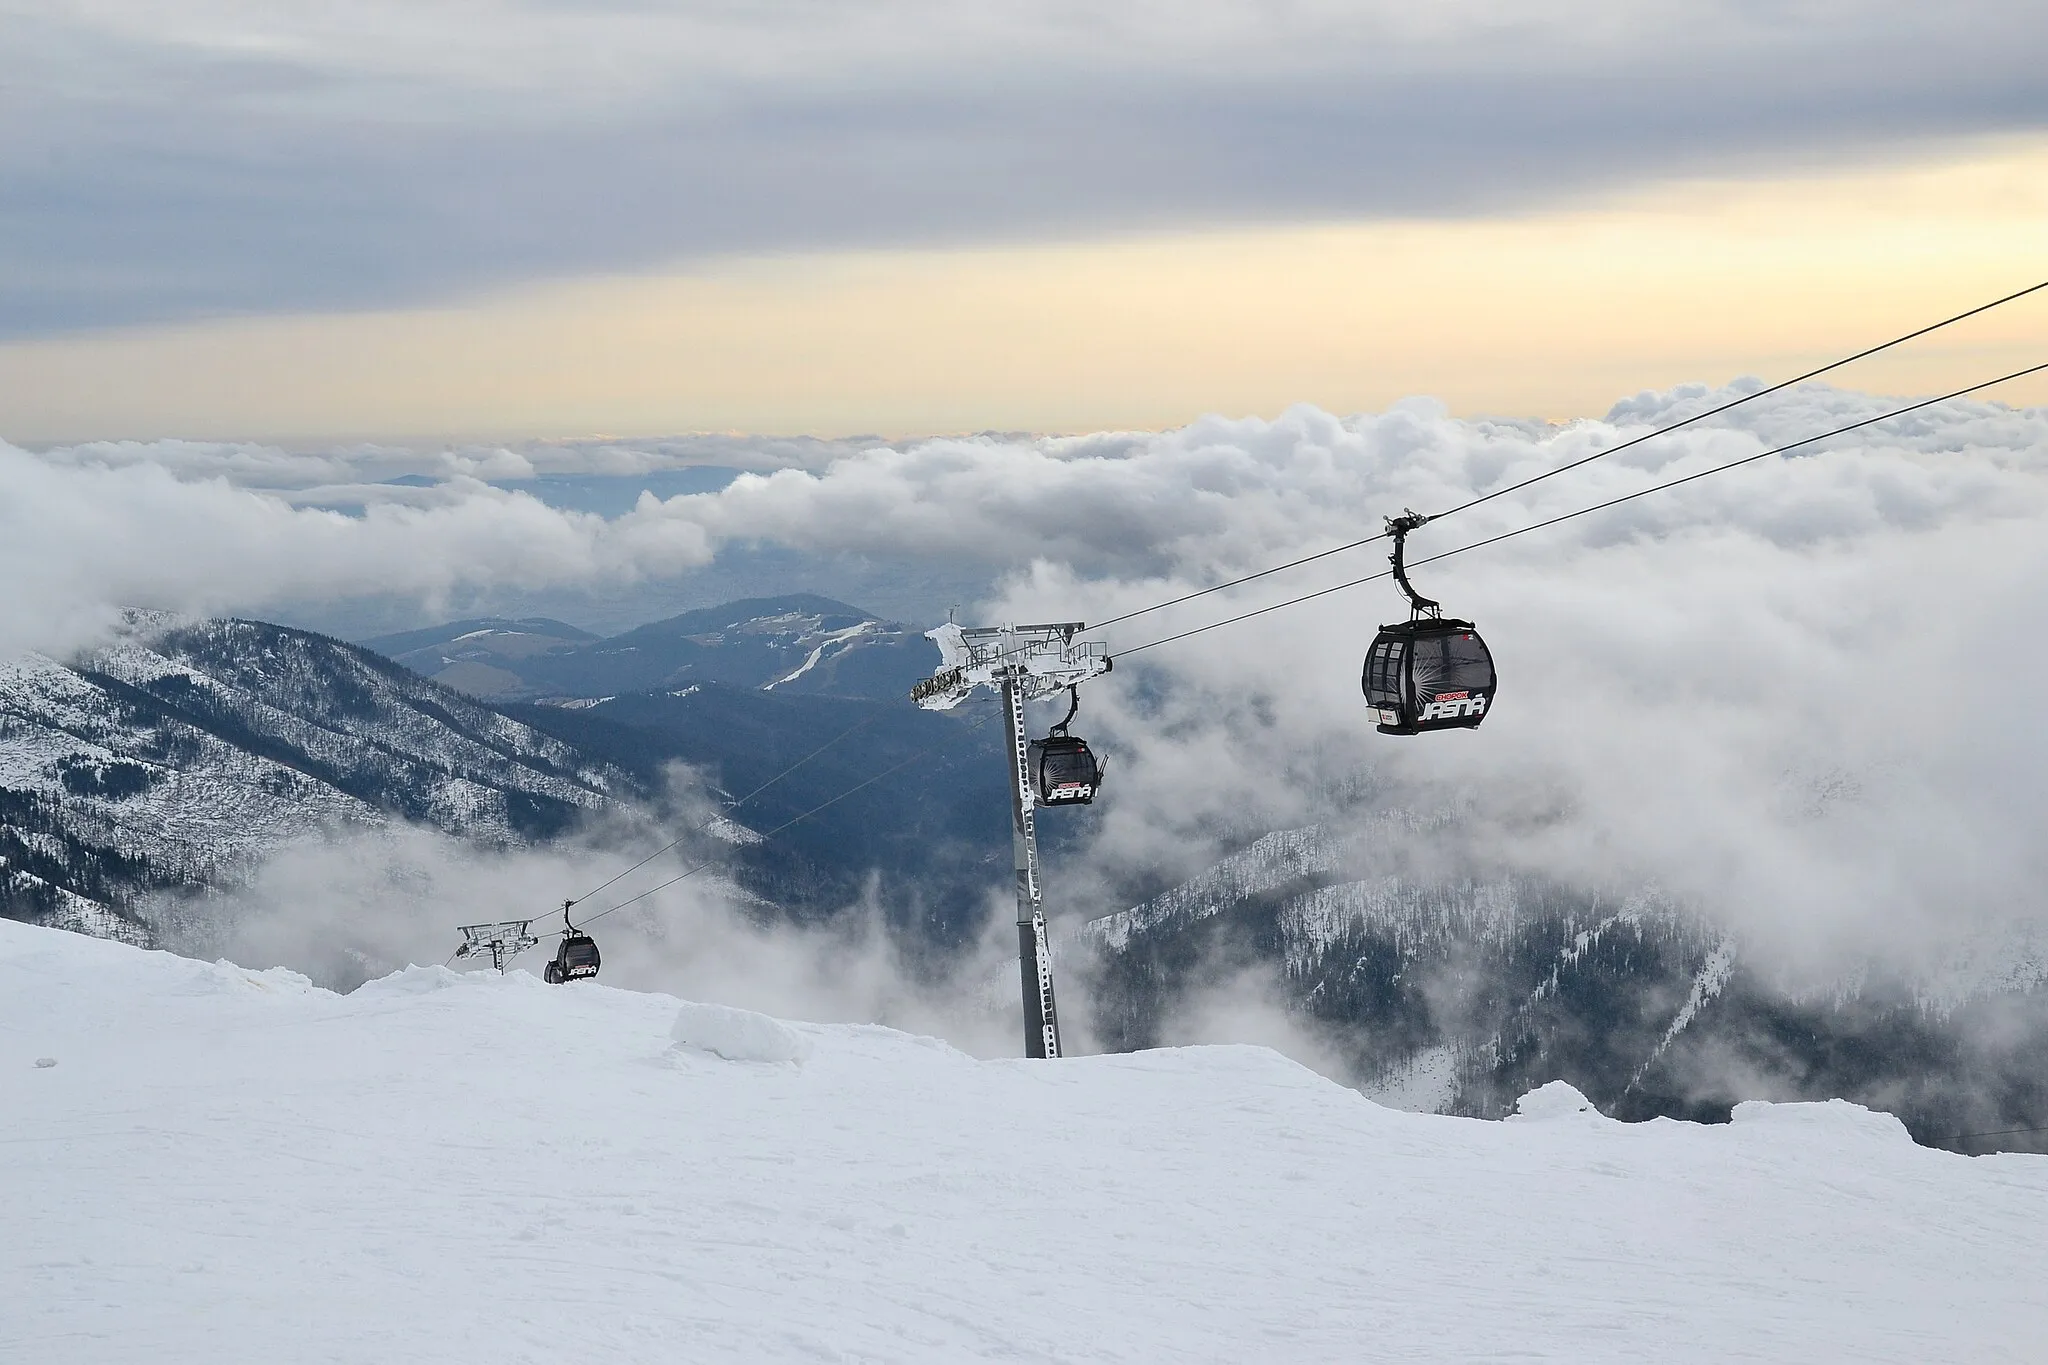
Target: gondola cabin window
{"points": [[1383, 673], [1454, 662]]}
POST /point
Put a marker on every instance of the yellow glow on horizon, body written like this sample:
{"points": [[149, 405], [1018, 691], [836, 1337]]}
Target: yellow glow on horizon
{"points": [[1551, 314]]}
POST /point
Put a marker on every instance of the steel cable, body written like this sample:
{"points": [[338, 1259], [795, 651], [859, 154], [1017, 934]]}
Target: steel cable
{"points": [[1597, 507], [1629, 444], [734, 806], [700, 865]]}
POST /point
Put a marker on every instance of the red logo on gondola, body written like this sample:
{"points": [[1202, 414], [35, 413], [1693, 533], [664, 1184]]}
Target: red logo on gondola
{"points": [[1451, 696]]}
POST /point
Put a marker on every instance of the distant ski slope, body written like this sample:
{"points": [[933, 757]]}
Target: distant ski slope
{"points": [[228, 1166], [796, 643]]}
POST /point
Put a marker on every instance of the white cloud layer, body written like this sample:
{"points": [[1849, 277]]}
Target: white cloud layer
{"points": [[80, 541], [360, 468], [355, 906], [1800, 695]]}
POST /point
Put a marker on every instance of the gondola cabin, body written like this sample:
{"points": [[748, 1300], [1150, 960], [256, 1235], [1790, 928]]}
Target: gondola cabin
{"points": [[1431, 673], [576, 960], [1063, 770]]}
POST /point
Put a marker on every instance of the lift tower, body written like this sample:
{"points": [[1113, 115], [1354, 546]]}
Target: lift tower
{"points": [[1021, 663]]}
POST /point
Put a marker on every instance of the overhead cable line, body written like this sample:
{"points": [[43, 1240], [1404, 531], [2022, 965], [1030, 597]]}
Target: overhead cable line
{"points": [[1746, 398], [734, 806], [1597, 507], [1204, 592], [1352, 545], [1996, 1132], [701, 864], [1633, 441]]}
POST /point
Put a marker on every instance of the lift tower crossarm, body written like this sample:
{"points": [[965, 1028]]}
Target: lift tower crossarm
{"points": [[500, 942], [1044, 659], [1021, 663]]}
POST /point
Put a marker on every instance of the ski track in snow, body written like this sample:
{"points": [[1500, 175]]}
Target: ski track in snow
{"points": [[1270, 859], [1711, 979], [231, 1166], [831, 637]]}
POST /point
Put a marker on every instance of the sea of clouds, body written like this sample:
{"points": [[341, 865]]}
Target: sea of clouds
{"points": [[1798, 695]]}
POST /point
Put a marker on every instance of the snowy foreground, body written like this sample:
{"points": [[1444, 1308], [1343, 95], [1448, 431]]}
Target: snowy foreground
{"points": [[228, 1166]]}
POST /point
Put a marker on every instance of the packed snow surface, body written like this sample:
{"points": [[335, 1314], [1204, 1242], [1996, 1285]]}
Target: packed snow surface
{"points": [[231, 1166]]}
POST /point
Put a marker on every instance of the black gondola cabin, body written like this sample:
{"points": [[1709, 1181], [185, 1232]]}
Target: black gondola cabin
{"points": [[576, 960], [1063, 770], [1428, 674]]}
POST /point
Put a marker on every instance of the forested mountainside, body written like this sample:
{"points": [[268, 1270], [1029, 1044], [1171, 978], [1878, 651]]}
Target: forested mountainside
{"points": [[800, 643], [179, 757], [874, 800], [885, 803], [181, 754], [1459, 994]]}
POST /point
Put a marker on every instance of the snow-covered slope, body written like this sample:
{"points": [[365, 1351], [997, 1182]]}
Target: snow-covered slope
{"points": [[799, 643], [187, 750], [1403, 967], [231, 1166]]}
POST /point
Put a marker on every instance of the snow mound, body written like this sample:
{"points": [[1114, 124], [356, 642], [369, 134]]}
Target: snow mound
{"points": [[506, 1174], [1822, 1117], [1557, 1100], [417, 980], [225, 978], [737, 1035]]}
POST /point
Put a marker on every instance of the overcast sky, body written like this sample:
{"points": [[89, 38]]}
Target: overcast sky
{"points": [[173, 161], [385, 176]]}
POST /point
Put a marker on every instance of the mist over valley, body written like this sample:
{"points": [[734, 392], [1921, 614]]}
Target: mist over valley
{"points": [[1705, 852]]}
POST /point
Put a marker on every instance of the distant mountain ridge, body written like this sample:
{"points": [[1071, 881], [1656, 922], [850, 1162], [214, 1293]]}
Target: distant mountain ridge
{"points": [[187, 750], [181, 756], [925, 840], [741, 691], [541, 628], [1458, 994], [798, 643], [184, 753]]}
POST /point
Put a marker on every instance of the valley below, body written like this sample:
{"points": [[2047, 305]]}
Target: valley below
{"points": [[145, 787]]}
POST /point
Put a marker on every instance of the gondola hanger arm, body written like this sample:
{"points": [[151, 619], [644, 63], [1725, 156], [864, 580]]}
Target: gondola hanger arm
{"points": [[1398, 528], [1073, 709]]}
